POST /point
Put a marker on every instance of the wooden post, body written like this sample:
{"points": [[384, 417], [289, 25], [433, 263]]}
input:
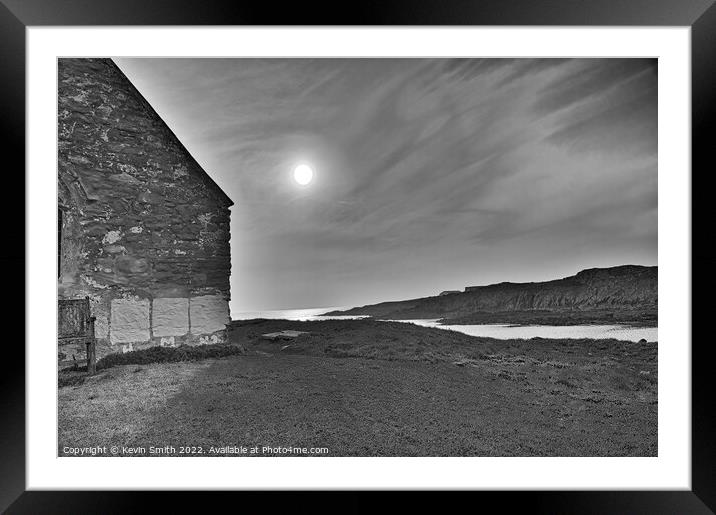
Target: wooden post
{"points": [[91, 349]]}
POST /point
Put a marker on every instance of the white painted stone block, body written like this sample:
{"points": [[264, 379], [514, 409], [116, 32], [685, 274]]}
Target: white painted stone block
{"points": [[101, 313], [170, 317], [129, 321], [208, 313], [101, 326]]}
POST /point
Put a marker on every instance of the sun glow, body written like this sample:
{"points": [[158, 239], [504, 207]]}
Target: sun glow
{"points": [[303, 175]]}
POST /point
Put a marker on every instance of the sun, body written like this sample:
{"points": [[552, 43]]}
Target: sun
{"points": [[303, 175]]}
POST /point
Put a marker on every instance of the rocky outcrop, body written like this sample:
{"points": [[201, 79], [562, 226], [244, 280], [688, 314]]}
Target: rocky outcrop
{"points": [[628, 287]]}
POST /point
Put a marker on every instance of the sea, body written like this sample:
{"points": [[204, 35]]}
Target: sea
{"points": [[498, 331]]}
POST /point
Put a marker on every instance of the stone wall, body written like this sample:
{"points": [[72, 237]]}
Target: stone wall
{"points": [[145, 232]]}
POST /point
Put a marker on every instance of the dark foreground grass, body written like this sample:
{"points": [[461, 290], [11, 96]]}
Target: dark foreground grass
{"points": [[369, 339], [365, 388]]}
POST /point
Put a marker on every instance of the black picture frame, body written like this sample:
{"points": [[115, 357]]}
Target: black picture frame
{"points": [[17, 15]]}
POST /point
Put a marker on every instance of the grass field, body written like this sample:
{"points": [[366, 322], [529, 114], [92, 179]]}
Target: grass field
{"points": [[365, 388]]}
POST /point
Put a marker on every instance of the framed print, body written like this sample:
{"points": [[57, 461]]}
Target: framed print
{"points": [[417, 248]]}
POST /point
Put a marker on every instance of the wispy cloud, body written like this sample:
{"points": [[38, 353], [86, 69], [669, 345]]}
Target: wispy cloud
{"points": [[429, 173]]}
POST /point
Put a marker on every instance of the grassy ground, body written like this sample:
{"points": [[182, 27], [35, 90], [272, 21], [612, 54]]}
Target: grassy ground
{"points": [[73, 376], [365, 388]]}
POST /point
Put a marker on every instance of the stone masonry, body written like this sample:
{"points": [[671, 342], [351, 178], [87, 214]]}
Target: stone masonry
{"points": [[143, 230]]}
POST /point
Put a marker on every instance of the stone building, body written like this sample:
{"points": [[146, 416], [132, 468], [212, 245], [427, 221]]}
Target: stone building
{"points": [[142, 229]]}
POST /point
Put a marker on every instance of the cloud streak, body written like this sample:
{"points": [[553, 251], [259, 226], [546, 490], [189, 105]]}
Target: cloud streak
{"points": [[430, 174]]}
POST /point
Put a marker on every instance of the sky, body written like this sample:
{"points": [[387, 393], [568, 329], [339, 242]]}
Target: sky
{"points": [[429, 174]]}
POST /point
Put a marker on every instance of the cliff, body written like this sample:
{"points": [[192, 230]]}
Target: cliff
{"points": [[608, 291]]}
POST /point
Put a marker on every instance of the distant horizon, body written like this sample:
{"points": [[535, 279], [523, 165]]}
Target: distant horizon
{"points": [[365, 180], [349, 306]]}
